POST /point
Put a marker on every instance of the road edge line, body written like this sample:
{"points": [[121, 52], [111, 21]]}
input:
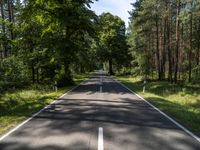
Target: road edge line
{"points": [[38, 112], [161, 112]]}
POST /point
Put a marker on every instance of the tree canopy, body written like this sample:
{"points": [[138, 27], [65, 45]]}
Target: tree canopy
{"points": [[42, 41], [112, 40]]}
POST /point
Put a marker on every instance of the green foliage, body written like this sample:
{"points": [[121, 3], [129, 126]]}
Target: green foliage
{"points": [[52, 40], [112, 41], [13, 73], [49, 37]]}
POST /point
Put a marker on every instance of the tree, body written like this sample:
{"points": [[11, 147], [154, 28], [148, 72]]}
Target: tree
{"points": [[48, 37], [2, 37], [112, 40], [63, 25], [165, 32]]}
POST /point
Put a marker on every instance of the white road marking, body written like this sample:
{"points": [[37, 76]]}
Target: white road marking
{"points": [[101, 80], [100, 89], [101, 83], [34, 115], [168, 117], [100, 139]]}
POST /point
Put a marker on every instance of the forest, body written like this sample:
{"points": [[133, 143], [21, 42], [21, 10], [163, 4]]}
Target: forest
{"points": [[42, 41], [164, 38]]}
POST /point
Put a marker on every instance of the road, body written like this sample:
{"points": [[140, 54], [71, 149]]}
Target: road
{"points": [[100, 114]]}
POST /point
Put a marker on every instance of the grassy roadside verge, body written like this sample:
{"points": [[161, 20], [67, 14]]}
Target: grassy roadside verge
{"points": [[16, 106], [181, 102]]}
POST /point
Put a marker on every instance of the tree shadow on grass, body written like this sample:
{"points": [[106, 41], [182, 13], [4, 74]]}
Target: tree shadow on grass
{"points": [[196, 104], [23, 107], [180, 113], [164, 88]]}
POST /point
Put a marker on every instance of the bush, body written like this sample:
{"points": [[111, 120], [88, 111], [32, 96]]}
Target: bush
{"points": [[64, 81], [13, 73]]}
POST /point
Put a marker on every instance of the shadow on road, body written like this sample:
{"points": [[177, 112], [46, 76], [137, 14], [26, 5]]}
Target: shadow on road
{"points": [[73, 123]]}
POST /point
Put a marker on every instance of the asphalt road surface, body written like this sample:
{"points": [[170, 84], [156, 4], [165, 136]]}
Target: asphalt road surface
{"points": [[100, 114]]}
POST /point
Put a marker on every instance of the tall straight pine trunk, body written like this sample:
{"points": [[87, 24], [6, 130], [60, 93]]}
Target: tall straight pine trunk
{"points": [[11, 17], [191, 45], [176, 65], [4, 51], [157, 50], [169, 43], [164, 50]]}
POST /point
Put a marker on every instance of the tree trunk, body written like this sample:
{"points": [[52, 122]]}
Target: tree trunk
{"points": [[177, 41], [198, 53], [164, 50], [110, 67], [37, 72], [198, 49], [81, 68], [191, 46], [68, 77], [181, 51], [4, 51], [169, 45], [33, 71], [10, 16], [157, 50]]}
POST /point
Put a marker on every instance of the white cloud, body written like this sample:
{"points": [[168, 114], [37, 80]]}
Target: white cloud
{"points": [[116, 7]]}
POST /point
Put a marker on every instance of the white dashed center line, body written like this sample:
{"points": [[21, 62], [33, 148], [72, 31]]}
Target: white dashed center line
{"points": [[100, 139]]}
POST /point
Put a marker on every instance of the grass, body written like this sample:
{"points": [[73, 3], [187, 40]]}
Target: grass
{"points": [[181, 102], [16, 106]]}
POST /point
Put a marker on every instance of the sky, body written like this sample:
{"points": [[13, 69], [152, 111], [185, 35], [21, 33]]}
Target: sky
{"points": [[115, 7]]}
